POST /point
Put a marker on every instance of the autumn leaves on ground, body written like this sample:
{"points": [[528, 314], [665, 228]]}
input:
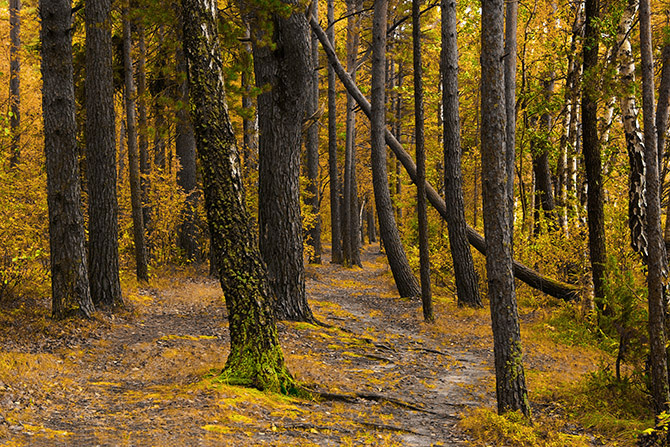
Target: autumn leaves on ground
{"points": [[380, 376]]}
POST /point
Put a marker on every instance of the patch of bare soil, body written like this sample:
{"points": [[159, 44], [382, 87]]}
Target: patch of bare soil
{"points": [[149, 377]]}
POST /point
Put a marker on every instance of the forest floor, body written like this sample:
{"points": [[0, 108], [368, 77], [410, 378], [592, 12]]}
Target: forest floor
{"points": [[148, 377]]}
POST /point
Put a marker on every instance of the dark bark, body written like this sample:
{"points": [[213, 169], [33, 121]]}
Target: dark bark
{"points": [[372, 228], [467, 288], [187, 174], [335, 221], [69, 275], [287, 70], [15, 81], [256, 358], [657, 261], [395, 252], [511, 15], [100, 131], [662, 111], [510, 379], [529, 276], [157, 89], [133, 157], [591, 150], [312, 147], [419, 136], [142, 122]]}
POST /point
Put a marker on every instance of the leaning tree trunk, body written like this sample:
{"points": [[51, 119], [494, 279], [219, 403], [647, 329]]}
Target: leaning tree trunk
{"points": [[657, 262], [100, 131], [286, 68], [402, 273], [14, 80], [467, 288], [256, 358], [591, 150], [69, 275], [534, 279], [510, 380]]}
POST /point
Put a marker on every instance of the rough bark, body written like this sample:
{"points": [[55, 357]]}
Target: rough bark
{"points": [[133, 156], [286, 69], [335, 221], [657, 262], [467, 288], [591, 151], [510, 379], [511, 16], [14, 81], [100, 131], [256, 358], [529, 276], [312, 147], [69, 275], [662, 111], [402, 273]]}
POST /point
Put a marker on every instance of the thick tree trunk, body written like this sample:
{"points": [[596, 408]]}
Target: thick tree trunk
{"points": [[523, 273], [402, 273], [419, 136], [333, 174], [287, 70], [100, 131], [69, 276], [510, 379], [467, 288], [14, 81], [255, 359], [312, 146], [133, 157], [591, 149], [657, 261]]}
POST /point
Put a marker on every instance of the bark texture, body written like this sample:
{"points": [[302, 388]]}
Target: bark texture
{"points": [[69, 275], [255, 359], [100, 130], [511, 16], [467, 288]]}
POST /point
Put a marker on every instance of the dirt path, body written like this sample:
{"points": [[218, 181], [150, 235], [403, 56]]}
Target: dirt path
{"points": [[138, 380]]}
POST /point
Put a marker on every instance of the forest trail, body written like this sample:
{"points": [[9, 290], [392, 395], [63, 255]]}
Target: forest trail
{"points": [[143, 379]]}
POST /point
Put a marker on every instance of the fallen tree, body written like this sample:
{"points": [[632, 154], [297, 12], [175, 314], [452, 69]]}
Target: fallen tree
{"points": [[529, 276]]}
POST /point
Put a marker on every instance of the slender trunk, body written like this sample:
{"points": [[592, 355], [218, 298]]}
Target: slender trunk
{"points": [[402, 273], [133, 157], [662, 110], [250, 117], [142, 123], [14, 80], [657, 261], [372, 229], [69, 276], [100, 131], [467, 288], [157, 90], [511, 15]]}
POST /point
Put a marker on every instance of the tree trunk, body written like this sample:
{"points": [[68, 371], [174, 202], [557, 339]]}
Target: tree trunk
{"points": [[511, 15], [523, 273], [250, 117], [335, 221], [14, 81], [663, 110], [69, 276], [312, 146], [256, 358], [287, 70], [372, 229], [402, 273], [419, 136], [142, 123], [657, 261], [591, 149], [103, 247], [133, 157], [467, 288]]}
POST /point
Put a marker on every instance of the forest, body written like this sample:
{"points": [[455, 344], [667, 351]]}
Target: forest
{"points": [[320, 222]]}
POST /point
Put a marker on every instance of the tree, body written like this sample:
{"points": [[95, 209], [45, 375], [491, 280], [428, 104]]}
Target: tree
{"points": [[467, 288], [657, 261], [256, 358], [141, 269], [100, 131], [69, 275], [511, 14], [510, 379], [15, 80], [283, 68], [402, 273], [591, 150], [419, 136]]}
